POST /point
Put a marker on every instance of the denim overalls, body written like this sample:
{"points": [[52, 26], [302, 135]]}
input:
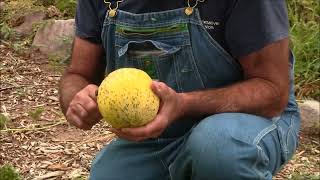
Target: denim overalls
{"points": [[175, 48]]}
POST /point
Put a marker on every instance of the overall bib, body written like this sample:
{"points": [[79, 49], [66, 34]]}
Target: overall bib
{"points": [[175, 48]]}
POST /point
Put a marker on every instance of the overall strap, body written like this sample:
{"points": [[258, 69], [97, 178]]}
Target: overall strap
{"points": [[113, 10]]}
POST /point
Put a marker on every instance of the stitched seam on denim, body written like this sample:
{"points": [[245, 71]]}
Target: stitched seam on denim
{"points": [[287, 141], [161, 21], [160, 75], [158, 72], [164, 35], [164, 13], [287, 137], [255, 169], [119, 46], [153, 25], [203, 149], [176, 73], [182, 43], [213, 42], [195, 67], [160, 35], [156, 154], [276, 119], [169, 169], [282, 140], [177, 36], [263, 133], [221, 51]]}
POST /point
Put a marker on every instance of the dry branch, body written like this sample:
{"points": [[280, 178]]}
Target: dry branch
{"points": [[33, 129]]}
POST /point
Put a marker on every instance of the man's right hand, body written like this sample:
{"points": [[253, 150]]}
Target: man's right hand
{"points": [[83, 110]]}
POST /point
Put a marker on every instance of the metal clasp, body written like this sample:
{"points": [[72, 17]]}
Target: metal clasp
{"points": [[112, 11], [189, 9]]}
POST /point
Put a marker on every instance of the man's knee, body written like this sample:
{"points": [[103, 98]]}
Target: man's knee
{"points": [[211, 141], [221, 148]]}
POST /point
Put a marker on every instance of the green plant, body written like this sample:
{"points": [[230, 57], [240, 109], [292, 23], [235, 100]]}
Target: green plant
{"points": [[15, 11], [5, 31], [35, 114], [3, 121], [44, 3], [79, 178], [68, 7], [302, 176], [305, 42], [7, 172]]}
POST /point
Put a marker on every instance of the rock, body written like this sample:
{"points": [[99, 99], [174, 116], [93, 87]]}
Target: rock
{"points": [[310, 117], [29, 20], [2, 5], [55, 38]]}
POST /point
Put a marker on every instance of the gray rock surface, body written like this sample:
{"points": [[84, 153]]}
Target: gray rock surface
{"points": [[2, 4], [55, 38], [26, 28], [310, 117]]}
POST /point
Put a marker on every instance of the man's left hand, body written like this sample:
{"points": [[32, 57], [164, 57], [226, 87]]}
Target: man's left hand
{"points": [[171, 108]]}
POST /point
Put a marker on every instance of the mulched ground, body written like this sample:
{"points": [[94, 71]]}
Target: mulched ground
{"points": [[41, 145]]}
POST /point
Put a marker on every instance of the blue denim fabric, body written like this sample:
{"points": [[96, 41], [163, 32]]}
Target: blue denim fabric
{"points": [[176, 49]]}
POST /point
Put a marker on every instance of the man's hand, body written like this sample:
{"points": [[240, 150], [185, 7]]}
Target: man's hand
{"points": [[83, 110], [170, 110], [76, 89]]}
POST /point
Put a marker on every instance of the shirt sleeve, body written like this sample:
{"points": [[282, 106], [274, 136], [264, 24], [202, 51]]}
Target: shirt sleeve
{"points": [[253, 24], [87, 21]]}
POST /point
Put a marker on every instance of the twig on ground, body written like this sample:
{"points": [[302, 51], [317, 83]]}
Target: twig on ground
{"points": [[33, 129], [5, 42], [6, 88], [3, 99], [12, 57]]}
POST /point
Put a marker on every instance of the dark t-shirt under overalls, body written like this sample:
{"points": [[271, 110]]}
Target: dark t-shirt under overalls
{"points": [[241, 27]]}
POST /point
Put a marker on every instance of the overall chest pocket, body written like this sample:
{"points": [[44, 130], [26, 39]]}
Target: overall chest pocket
{"points": [[168, 60]]}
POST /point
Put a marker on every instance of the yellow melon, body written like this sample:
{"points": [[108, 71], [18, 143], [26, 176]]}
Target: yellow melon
{"points": [[125, 98]]}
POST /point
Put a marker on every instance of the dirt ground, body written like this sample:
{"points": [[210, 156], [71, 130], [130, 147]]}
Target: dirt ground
{"points": [[40, 144]]}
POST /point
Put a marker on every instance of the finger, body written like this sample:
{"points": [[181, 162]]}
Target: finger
{"points": [[125, 136], [91, 108], [80, 111], [149, 130], [73, 119], [160, 89], [89, 118], [93, 92], [90, 105]]}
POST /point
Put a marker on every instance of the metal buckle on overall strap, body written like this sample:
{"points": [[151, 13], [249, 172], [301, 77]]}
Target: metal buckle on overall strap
{"points": [[189, 9], [112, 10]]}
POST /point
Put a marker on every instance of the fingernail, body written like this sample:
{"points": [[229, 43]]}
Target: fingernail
{"points": [[158, 87], [124, 130], [96, 93]]}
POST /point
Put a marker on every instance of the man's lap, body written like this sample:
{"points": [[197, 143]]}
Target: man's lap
{"points": [[228, 144]]}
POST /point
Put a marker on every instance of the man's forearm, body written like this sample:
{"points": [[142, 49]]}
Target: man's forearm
{"points": [[264, 91], [86, 67], [254, 96], [70, 85]]}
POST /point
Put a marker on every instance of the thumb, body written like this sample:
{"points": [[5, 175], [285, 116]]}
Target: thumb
{"points": [[93, 92], [160, 89]]}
